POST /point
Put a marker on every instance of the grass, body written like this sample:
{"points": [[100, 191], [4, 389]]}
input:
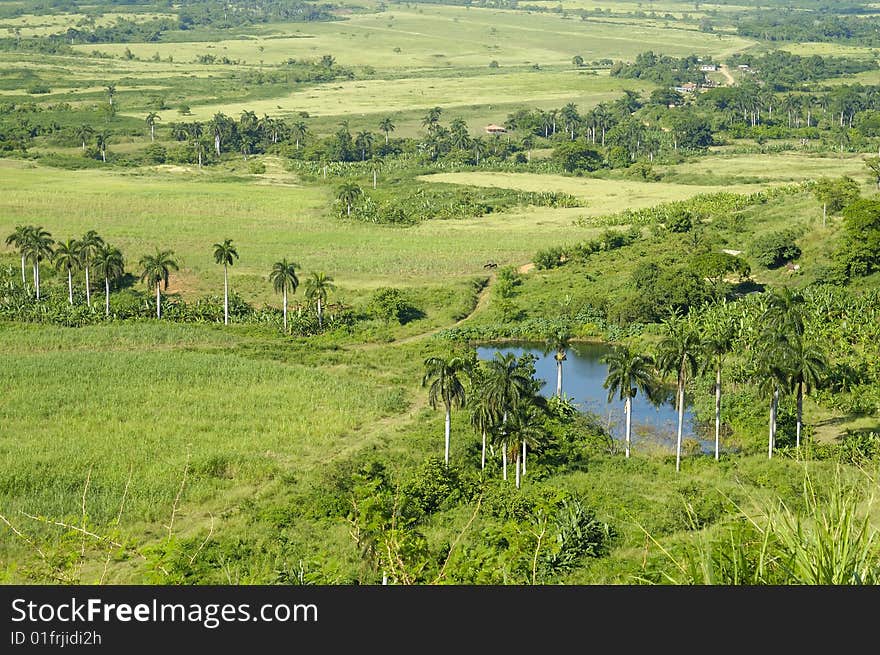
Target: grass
{"points": [[188, 213], [778, 167]]}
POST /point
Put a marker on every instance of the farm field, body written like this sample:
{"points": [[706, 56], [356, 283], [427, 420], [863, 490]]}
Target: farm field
{"points": [[424, 184]]}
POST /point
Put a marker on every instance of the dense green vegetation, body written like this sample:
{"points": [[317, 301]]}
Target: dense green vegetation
{"points": [[250, 249]]}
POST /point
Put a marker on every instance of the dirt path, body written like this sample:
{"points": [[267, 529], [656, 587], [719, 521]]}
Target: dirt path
{"points": [[723, 70]]}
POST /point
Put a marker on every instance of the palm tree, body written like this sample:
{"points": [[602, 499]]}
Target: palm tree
{"points": [[557, 341], [101, 139], [771, 376], [19, 239], [387, 126], [39, 247], [83, 133], [364, 142], [376, 164], [155, 270], [318, 288], [717, 341], [678, 353], [445, 377], [110, 265], [298, 131], [479, 146], [88, 246], [522, 426], [484, 417], [806, 368], [150, 120], [431, 118], [628, 373], [67, 257], [111, 91], [226, 254], [508, 384], [348, 194], [284, 279]]}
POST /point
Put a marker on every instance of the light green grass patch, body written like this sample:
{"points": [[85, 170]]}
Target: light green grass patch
{"points": [[779, 167]]}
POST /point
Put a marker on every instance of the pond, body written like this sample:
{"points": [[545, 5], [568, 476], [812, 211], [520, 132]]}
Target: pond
{"points": [[583, 375]]}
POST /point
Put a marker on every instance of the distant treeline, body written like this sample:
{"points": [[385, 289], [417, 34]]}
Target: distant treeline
{"points": [[810, 26]]}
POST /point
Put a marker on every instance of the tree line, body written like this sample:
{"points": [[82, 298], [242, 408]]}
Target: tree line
{"points": [[91, 254]]}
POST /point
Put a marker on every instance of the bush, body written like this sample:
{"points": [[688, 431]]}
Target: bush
{"points": [[256, 168], [776, 248], [390, 304]]}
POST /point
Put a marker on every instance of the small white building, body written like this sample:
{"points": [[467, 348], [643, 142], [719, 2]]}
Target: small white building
{"points": [[708, 68]]}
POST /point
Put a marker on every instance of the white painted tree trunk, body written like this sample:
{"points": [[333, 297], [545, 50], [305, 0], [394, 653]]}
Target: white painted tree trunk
{"points": [[284, 302], [106, 296], [217, 144], [627, 408], [23, 278], [516, 466], [483, 459], [320, 316], [680, 423], [69, 285], [504, 460], [88, 288], [717, 412], [374, 179], [152, 132], [448, 426], [158, 302], [225, 295], [524, 458]]}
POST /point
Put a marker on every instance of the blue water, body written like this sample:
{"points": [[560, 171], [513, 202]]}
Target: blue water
{"points": [[583, 375]]}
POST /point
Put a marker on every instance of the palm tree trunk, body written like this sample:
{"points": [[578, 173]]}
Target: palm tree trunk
{"points": [[772, 438], [225, 294], [88, 288], [516, 466], [559, 378], [680, 422], [70, 285], [448, 426], [152, 132], [386, 138], [800, 414], [524, 458], [627, 408], [23, 279], [483, 459], [284, 301], [320, 316], [504, 460], [158, 302], [106, 296], [37, 279], [717, 411], [374, 179]]}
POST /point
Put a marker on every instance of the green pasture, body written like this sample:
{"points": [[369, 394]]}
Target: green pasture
{"points": [[432, 37], [777, 167]]}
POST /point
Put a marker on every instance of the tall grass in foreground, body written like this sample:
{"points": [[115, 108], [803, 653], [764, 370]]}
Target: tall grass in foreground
{"points": [[829, 541]]}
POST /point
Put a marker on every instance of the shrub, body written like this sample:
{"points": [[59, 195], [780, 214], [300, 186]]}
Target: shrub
{"points": [[774, 249]]}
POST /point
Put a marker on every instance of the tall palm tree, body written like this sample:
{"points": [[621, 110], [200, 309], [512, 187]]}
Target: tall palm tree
{"points": [[558, 341], [432, 117], [67, 257], [523, 428], [484, 415], [806, 368], [111, 92], [155, 271], [110, 265], [101, 140], [508, 384], [364, 142], [771, 378], [20, 239], [284, 280], [376, 164], [88, 246], [83, 134], [318, 288], [717, 340], [678, 353], [629, 373], [226, 254], [445, 376], [387, 126], [348, 194], [298, 131], [150, 120], [39, 247]]}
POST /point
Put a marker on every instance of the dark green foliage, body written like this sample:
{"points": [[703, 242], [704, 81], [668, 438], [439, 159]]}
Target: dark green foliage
{"points": [[859, 253], [390, 304], [577, 156], [774, 249]]}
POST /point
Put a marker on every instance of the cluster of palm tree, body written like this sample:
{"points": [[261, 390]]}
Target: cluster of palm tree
{"points": [[783, 359], [502, 394], [91, 254]]}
